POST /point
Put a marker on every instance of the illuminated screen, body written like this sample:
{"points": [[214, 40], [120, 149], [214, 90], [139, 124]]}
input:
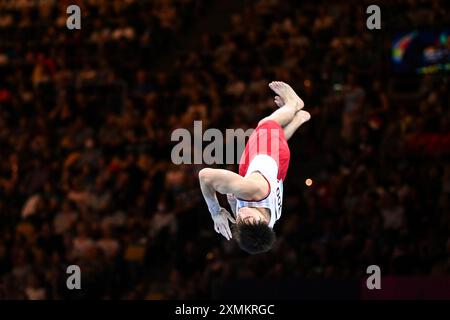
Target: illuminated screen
{"points": [[421, 52]]}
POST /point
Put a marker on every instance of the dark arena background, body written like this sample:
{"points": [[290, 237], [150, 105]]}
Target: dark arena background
{"points": [[86, 176]]}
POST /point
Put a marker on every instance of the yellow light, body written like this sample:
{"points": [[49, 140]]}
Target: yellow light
{"points": [[308, 182], [307, 83]]}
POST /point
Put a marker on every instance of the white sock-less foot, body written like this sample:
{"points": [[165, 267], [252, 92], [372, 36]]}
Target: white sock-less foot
{"points": [[287, 94], [303, 116], [279, 102]]}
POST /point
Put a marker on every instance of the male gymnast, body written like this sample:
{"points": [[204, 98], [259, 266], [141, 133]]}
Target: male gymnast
{"points": [[255, 194]]}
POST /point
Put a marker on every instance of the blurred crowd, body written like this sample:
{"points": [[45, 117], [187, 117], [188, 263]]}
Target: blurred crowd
{"points": [[86, 119]]}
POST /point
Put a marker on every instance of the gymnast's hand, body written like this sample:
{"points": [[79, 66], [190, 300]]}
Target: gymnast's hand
{"points": [[221, 224]]}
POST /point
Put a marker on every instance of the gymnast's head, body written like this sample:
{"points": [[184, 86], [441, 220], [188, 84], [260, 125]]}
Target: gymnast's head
{"points": [[252, 231]]}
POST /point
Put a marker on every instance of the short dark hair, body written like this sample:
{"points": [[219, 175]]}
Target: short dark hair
{"points": [[254, 237]]}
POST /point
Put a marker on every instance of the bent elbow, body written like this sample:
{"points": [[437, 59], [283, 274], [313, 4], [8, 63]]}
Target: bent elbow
{"points": [[204, 175]]}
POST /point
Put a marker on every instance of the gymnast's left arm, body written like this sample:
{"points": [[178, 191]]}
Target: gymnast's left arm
{"points": [[223, 181], [208, 191]]}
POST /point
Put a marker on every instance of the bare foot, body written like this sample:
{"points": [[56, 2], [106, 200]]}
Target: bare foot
{"points": [[302, 116], [287, 94], [279, 102]]}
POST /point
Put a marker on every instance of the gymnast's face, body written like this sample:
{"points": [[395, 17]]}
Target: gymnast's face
{"points": [[250, 215]]}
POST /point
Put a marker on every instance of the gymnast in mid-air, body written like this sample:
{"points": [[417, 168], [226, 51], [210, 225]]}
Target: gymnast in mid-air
{"points": [[255, 194]]}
